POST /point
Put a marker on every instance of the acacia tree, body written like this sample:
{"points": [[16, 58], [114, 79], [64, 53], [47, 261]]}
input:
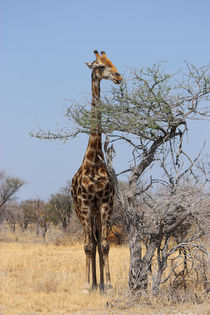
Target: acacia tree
{"points": [[150, 113], [36, 211], [12, 213], [8, 188], [60, 206]]}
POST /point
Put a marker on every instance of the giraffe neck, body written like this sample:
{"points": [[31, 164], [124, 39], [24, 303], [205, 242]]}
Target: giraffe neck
{"points": [[96, 127], [94, 153]]}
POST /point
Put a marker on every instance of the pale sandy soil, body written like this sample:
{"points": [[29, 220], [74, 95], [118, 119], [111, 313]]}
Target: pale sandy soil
{"points": [[38, 278]]}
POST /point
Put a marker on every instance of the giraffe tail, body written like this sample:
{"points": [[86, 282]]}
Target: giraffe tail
{"points": [[95, 233], [96, 229]]}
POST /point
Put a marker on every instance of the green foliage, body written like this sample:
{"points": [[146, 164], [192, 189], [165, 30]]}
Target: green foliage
{"points": [[148, 105]]}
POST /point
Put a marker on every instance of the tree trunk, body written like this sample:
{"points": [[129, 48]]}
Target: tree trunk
{"points": [[37, 228], [138, 272], [64, 224], [139, 265], [156, 281], [44, 231], [25, 226]]}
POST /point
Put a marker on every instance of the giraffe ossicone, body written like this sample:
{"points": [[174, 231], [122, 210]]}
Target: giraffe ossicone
{"points": [[92, 190]]}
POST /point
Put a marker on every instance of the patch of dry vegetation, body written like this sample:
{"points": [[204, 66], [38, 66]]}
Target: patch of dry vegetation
{"points": [[47, 278]]}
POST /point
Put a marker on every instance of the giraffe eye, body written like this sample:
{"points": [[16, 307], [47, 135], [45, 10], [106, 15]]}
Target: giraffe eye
{"points": [[101, 67]]}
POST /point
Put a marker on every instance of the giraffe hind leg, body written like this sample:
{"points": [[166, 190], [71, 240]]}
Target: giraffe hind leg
{"points": [[100, 252], [93, 256], [90, 250]]}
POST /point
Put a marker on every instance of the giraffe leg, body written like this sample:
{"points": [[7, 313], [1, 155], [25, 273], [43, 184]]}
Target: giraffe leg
{"points": [[93, 256], [106, 265], [88, 248], [105, 223], [100, 252]]}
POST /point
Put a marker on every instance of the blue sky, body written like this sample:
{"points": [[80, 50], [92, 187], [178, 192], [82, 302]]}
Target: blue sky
{"points": [[44, 45]]}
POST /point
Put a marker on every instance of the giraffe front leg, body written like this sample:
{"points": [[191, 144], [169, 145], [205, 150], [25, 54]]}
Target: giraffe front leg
{"points": [[88, 251], [88, 247]]}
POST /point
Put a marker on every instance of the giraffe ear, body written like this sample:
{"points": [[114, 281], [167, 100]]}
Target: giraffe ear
{"points": [[89, 64], [94, 64]]}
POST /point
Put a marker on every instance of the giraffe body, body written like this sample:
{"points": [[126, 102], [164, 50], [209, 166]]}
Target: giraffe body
{"points": [[92, 189]]}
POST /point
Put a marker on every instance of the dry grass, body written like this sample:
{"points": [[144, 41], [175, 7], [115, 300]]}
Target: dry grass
{"points": [[38, 278]]}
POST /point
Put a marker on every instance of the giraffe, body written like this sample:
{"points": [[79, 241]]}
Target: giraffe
{"points": [[92, 190]]}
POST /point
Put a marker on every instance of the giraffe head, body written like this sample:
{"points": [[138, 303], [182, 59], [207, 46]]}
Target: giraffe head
{"points": [[103, 68]]}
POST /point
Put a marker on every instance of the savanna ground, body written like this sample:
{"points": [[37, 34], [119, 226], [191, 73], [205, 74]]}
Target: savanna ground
{"points": [[39, 277]]}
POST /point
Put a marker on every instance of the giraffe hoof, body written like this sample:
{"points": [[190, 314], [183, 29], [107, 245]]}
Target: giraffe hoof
{"points": [[101, 286], [94, 287]]}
